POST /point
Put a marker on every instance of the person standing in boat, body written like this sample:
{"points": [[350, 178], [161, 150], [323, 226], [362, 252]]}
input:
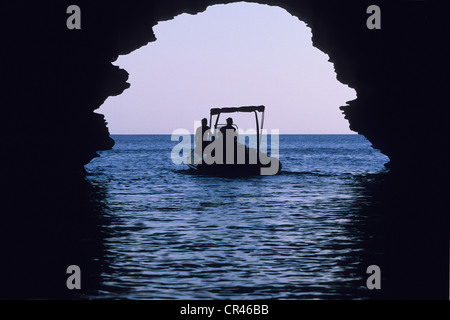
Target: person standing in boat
{"points": [[202, 137], [223, 131]]}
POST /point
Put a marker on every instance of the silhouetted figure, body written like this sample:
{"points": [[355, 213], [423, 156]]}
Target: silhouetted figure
{"points": [[229, 125], [223, 131], [202, 140]]}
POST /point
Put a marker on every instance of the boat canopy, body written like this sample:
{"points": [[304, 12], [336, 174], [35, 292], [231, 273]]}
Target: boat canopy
{"points": [[215, 111], [218, 111]]}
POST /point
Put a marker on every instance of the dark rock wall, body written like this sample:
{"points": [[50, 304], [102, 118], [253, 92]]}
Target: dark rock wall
{"points": [[53, 79]]}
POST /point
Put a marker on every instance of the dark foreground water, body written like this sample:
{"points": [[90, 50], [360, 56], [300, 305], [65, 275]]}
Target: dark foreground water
{"points": [[141, 227], [185, 236]]}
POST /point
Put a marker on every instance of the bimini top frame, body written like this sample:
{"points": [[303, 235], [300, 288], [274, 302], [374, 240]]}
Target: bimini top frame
{"points": [[255, 109], [215, 111]]}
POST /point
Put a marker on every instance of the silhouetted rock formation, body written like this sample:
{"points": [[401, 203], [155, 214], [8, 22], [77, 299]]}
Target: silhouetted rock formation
{"points": [[55, 78]]}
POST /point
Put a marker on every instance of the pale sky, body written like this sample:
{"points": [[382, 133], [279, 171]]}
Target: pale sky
{"points": [[230, 55]]}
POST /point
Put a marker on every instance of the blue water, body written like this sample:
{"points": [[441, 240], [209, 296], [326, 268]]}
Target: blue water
{"points": [[176, 235]]}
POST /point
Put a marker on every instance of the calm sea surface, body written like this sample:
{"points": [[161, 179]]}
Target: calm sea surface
{"points": [[171, 234]]}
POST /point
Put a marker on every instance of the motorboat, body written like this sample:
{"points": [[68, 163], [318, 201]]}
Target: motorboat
{"points": [[223, 150]]}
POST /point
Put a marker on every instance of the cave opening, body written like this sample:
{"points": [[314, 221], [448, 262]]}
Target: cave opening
{"points": [[229, 55]]}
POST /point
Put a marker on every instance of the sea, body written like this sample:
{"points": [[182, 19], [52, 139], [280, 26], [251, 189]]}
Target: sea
{"points": [[169, 233]]}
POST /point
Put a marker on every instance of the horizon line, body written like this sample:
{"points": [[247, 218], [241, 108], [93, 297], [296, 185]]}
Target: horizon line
{"points": [[285, 134]]}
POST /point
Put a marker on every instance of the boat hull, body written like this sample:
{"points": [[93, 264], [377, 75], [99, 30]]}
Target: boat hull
{"points": [[236, 169]]}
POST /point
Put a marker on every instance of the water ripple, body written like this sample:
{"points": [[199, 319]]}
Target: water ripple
{"points": [[175, 235]]}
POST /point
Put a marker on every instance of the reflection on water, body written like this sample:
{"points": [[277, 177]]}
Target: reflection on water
{"points": [[230, 241], [173, 235]]}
